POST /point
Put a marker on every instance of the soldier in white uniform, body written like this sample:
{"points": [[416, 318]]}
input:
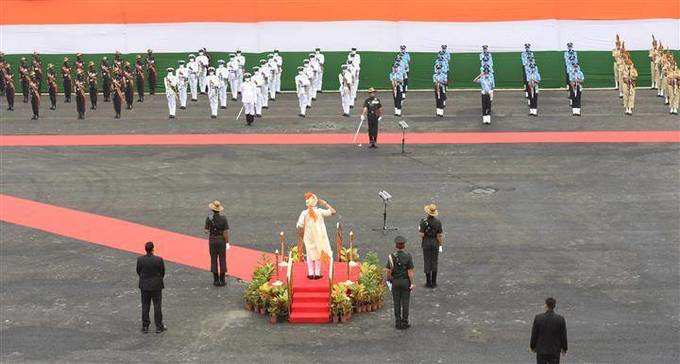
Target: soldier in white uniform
{"points": [[322, 60], [345, 78], [212, 83], [222, 74], [302, 86], [182, 76], [266, 75], [203, 63], [170, 83], [309, 72], [241, 68], [350, 69], [316, 69], [355, 58], [258, 80], [194, 68], [274, 72], [279, 63], [248, 98], [233, 69]]}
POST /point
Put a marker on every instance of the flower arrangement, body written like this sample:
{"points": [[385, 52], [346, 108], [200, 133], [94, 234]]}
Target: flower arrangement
{"points": [[341, 303], [261, 275]]}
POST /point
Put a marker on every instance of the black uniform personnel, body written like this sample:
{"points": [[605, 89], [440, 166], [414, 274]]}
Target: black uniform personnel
{"points": [[151, 270], [217, 227], [431, 230], [549, 335], [400, 272], [372, 111]]}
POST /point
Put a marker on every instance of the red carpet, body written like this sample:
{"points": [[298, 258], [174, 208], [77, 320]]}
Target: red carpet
{"points": [[124, 235], [311, 298], [663, 136]]}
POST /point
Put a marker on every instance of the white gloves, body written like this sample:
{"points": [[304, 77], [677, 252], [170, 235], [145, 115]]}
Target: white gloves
{"points": [[363, 118], [441, 248]]}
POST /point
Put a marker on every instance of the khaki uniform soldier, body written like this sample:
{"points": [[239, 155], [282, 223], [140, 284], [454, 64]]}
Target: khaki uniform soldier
{"points": [[620, 66], [629, 77], [652, 56], [657, 72], [615, 55], [674, 91], [668, 66]]}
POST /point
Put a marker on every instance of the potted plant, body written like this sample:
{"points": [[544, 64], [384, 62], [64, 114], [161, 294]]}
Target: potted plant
{"points": [[279, 305], [349, 255], [341, 303]]}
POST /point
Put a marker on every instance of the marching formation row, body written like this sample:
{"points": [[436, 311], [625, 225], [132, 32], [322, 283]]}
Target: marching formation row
{"points": [[196, 76]]}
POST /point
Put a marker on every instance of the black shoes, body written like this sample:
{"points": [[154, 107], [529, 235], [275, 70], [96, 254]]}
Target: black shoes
{"points": [[182, 107], [223, 107], [161, 328], [145, 329], [345, 115], [301, 115], [402, 324], [213, 116]]}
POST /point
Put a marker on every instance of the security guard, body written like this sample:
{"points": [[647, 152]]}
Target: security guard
{"points": [[374, 111], [487, 84], [397, 80], [576, 78], [399, 275], [217, 228], [52, 86], [533, 79], [440, 82], [431, 233]]}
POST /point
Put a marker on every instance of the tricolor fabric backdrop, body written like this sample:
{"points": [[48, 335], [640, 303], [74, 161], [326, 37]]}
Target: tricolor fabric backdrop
{"points": [[173, 29]]}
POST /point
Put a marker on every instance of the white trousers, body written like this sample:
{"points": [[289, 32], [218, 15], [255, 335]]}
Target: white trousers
{"points": [[258, 103], [193, 85], [355, 87], [202, 84], [313, 267], [319, 81], [213, 98], [272, 89], [172, 103], [346, 98], [265, 96], [233, 85], [313, 88], [182, 94], [303, 102], [249, 108], [310, 93], [278, 82], [223, 94]]}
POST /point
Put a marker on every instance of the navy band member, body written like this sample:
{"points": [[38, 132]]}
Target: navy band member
{"points": [[373, 111], [217, 228], [440, 82], [399, 273], [397, 80], [487, 84], [576, 78], [533, 79], [430, 230]]}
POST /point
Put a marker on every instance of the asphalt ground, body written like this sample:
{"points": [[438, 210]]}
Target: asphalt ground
{"points": [[601, 110], [595, 225]]}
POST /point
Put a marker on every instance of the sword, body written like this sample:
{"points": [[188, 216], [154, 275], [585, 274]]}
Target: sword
{"points": [[239, 113], [357, 133]]}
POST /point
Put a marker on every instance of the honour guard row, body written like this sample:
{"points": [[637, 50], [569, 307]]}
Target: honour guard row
{"points": [[309, 80], [665, 75]]}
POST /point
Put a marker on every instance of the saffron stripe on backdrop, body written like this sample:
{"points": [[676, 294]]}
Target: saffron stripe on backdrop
{"points": [[665, 136], [252, 11], [125, 235]]}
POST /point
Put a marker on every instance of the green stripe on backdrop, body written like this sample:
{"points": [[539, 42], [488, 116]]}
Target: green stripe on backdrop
{"points": [[375, 66]]}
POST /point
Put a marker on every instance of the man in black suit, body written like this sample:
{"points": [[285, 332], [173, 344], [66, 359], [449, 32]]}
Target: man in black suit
{"points": [[151, 270], [549, 335]]}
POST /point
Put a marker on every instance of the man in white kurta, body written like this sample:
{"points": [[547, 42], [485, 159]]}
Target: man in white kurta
{"points": [[312, 227]]}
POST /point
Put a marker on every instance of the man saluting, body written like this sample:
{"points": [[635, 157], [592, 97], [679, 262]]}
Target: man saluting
{"points": [[312, 229]]}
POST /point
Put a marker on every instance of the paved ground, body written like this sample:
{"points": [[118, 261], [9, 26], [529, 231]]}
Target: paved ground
{"points": [[601, 111], [597, 226]]}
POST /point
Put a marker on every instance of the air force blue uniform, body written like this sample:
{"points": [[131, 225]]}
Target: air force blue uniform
{"points": [[397, 80], [440, 80]]}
